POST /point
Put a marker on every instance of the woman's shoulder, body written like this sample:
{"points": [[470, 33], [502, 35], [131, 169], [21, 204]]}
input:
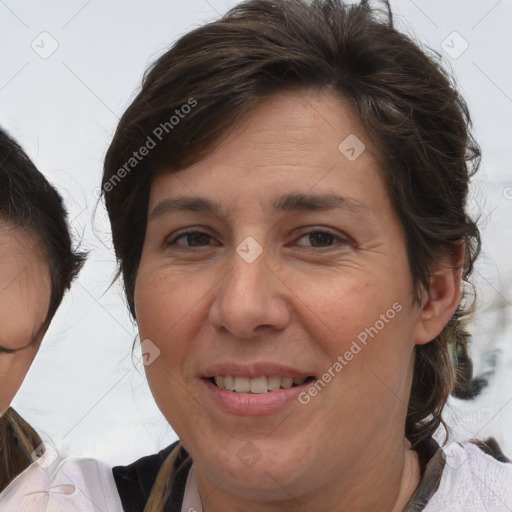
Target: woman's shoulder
{"points": [[476, 477], [52, 483], [135, 481]]}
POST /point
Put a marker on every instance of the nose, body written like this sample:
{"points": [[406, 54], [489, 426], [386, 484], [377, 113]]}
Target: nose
{"points": [[250, 299]]}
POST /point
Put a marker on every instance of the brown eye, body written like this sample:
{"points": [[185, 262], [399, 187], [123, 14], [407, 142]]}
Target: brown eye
{"points": [[192, 239], [321, 239]]}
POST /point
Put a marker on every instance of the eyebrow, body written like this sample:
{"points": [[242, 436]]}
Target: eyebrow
{"points": [[287, 203]]}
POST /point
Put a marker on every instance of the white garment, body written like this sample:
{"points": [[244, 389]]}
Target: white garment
{"points": [[472, 481], [191, 499], [54, 485]]}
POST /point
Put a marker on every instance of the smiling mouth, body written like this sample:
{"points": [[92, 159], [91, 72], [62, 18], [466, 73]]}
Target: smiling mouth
{"points": [[258, 385]]}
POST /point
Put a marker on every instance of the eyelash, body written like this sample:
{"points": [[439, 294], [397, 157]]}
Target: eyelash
{"points": [[4, 350], [308, 233]]}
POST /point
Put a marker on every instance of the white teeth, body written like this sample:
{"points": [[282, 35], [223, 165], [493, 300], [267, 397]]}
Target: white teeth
{"points": [[229, 383], [287, 382], [257, 385], [242, 384], [274, 383]]}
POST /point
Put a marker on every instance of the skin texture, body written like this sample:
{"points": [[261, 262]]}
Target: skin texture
{"points": [[301, 303], [25, 289]]}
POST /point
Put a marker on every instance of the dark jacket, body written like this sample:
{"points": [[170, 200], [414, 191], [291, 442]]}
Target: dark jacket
{"points": [[134, 482]]}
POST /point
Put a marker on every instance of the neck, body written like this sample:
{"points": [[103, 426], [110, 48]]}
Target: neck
{"points": [[385, 483], [411, 476]]}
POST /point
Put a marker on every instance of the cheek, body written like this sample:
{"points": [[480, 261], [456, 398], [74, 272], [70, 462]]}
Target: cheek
{"points": [[161, 302], [346, 309], [365, 330], [158, 310], [168, 310], [13, 369]]}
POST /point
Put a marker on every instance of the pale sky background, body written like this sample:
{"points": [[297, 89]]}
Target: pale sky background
{"points": [[83, 392]]}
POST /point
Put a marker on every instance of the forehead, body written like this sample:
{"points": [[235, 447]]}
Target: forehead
{"points": [[288, 143], [25, 286], [17, 242]]}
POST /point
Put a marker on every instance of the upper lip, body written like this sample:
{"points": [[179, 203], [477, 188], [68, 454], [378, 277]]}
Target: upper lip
{"points": [[253, 370]]}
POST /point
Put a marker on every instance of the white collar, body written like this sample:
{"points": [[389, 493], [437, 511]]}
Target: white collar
{"points": [[54, 484], [191, 498]]}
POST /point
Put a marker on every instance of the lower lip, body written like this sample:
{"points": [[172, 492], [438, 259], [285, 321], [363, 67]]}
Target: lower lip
{"points": [[254, 404]]}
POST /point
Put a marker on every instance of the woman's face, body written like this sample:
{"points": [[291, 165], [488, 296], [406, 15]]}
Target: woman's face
{"points": [[279, 255], [25, 289]]}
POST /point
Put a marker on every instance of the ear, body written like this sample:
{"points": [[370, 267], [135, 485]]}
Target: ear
{"points": [[440, 304]]}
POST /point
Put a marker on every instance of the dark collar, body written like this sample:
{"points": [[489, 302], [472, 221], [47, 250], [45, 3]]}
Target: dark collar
{"points": [[432, 464], [134, 482]]}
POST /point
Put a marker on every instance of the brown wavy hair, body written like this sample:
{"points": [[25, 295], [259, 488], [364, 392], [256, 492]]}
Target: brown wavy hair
{"points": [[407, 102], [18, 440]]}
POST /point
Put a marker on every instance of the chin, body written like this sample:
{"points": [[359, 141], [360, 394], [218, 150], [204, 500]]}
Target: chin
{"points": [[261, 482], [254, 466]]}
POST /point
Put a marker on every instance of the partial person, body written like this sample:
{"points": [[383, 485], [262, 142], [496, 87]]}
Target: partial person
{"points": [[37, 266]]}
